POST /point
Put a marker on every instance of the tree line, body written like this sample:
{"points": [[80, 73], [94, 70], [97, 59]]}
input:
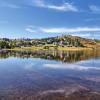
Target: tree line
{"points": [[68, 41]]}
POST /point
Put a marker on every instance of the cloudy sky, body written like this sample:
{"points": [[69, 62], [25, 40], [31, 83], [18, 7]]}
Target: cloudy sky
{"points": [[43, 18]]}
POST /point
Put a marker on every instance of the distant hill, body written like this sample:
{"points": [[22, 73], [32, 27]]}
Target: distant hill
{"points": [[58, 41], [70, 41]]}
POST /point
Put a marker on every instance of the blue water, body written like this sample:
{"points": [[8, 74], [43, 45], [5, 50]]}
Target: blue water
{"points": [[34, 74]]}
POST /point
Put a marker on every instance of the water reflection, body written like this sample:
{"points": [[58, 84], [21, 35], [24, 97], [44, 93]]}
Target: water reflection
{"points": [[64, 56], [47, 75]]}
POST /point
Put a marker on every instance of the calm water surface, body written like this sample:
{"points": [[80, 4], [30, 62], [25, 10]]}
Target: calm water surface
{"points": [[26, 73]]}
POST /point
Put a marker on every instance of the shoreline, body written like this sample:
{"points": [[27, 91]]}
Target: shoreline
{"points": [[52, 48]]}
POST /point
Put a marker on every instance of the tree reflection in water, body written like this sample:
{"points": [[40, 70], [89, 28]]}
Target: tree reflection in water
{"points": [[64, 56], [39, 83]]}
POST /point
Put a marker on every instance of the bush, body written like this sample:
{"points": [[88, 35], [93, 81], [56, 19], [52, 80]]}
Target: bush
{"points": [[45, 47]]}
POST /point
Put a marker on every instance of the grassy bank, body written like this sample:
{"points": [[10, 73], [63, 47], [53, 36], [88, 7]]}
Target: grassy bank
{"points": [[53, 48]]}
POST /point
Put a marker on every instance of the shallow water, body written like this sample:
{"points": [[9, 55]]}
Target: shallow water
{"points": [[30, 73]]}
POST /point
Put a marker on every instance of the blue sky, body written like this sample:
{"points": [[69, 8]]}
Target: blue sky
{"points": [[45, 18]]}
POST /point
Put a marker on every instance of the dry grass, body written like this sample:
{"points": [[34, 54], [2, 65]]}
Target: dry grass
{"points": [[53, 48]]}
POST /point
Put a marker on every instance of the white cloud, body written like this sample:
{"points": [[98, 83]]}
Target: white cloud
{"points": [[94, 8], [70, 67], [78, 31], [82, 35], [39, 3], [29, 66], [63, 7], [70, 30], [30, 30]]}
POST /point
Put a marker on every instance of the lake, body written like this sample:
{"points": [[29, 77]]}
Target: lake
{"points": [[49, 75]]}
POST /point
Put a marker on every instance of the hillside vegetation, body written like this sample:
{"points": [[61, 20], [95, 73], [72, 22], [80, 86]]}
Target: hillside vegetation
{"points": [[64, 41]]}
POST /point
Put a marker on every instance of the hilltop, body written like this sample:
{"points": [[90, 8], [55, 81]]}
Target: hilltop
{"points": [[70, 41]]}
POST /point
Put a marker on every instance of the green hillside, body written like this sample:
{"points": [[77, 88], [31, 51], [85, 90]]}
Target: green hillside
{"points": [[46, 43]]}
